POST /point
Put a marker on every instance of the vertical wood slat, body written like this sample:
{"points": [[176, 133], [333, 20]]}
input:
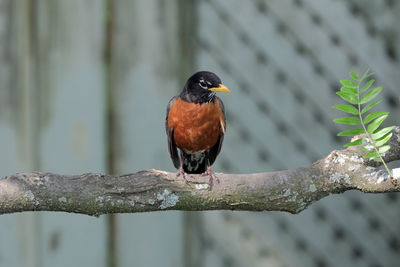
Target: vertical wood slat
{"points": [[70, 37], [66, 75], [145, 75], [52, 68], [18, 232]]}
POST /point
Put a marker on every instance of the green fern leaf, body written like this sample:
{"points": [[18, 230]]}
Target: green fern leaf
{"points": [[378, 159], [348, 120], [384, 139], [380, 133], [347, 108], [366, 75], [349, 90], [353, 75], [367, 85], [371, 95], [376, 123], [352, 99], [352, 132], [369, 106], [355, 143], [384, 149], [374, 115], [371, 154], [348, 83]]}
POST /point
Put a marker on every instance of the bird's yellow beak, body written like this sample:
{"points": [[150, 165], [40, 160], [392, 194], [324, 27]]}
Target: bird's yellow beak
{"points": [[220, 88]]}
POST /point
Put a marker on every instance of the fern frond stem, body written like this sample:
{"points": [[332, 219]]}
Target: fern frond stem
{"points": [[368, 134]]}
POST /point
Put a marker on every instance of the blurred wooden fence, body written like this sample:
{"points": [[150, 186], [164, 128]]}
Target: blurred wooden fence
{"points": [[284, 60], [84, 86]]}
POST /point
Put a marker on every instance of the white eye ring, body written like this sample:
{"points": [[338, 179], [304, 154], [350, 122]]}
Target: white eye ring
{"points": [[203, 84]]}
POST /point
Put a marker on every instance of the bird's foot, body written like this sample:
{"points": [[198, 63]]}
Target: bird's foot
{"points": [[182, 173], [212, 176]]}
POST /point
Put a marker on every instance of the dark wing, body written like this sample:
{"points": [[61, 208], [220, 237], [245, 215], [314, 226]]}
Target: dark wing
{"points": [[172, 149], [214, 151]]}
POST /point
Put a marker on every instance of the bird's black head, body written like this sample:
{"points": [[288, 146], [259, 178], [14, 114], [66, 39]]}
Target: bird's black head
{"points": [[201, 87]]}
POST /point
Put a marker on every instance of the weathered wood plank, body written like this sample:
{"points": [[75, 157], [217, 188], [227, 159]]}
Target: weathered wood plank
{"points": [[19, 233], [145, 75], [69, 46]]}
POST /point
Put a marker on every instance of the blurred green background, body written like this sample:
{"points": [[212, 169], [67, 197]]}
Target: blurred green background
{"points": [[84, 86]]}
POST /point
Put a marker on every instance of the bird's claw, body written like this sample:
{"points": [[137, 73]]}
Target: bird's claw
{"points": [[182, 173], [212, 176]]}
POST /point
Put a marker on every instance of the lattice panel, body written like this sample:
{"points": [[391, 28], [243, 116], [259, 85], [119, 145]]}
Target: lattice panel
{"points": [[283, 61]]}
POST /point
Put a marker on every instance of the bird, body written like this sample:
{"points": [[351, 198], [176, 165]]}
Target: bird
{"points": [[196, 124]]}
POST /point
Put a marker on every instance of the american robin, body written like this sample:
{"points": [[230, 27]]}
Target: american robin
{"points": [[196, 125]]}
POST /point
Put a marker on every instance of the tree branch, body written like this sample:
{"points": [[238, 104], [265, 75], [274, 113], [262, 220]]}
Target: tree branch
{"points": [[289, 190]]}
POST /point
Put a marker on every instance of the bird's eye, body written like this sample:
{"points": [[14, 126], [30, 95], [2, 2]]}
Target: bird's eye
{"points": [[203, 84]]}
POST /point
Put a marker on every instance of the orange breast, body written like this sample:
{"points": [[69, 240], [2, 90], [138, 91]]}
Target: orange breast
{"points": [[196, 126]]}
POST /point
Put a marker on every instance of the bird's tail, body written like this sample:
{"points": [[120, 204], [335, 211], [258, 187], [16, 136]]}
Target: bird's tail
{"points": [[194, 163]]}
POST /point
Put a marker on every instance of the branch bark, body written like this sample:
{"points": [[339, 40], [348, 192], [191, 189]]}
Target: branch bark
{"points": [[153, 190]]}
